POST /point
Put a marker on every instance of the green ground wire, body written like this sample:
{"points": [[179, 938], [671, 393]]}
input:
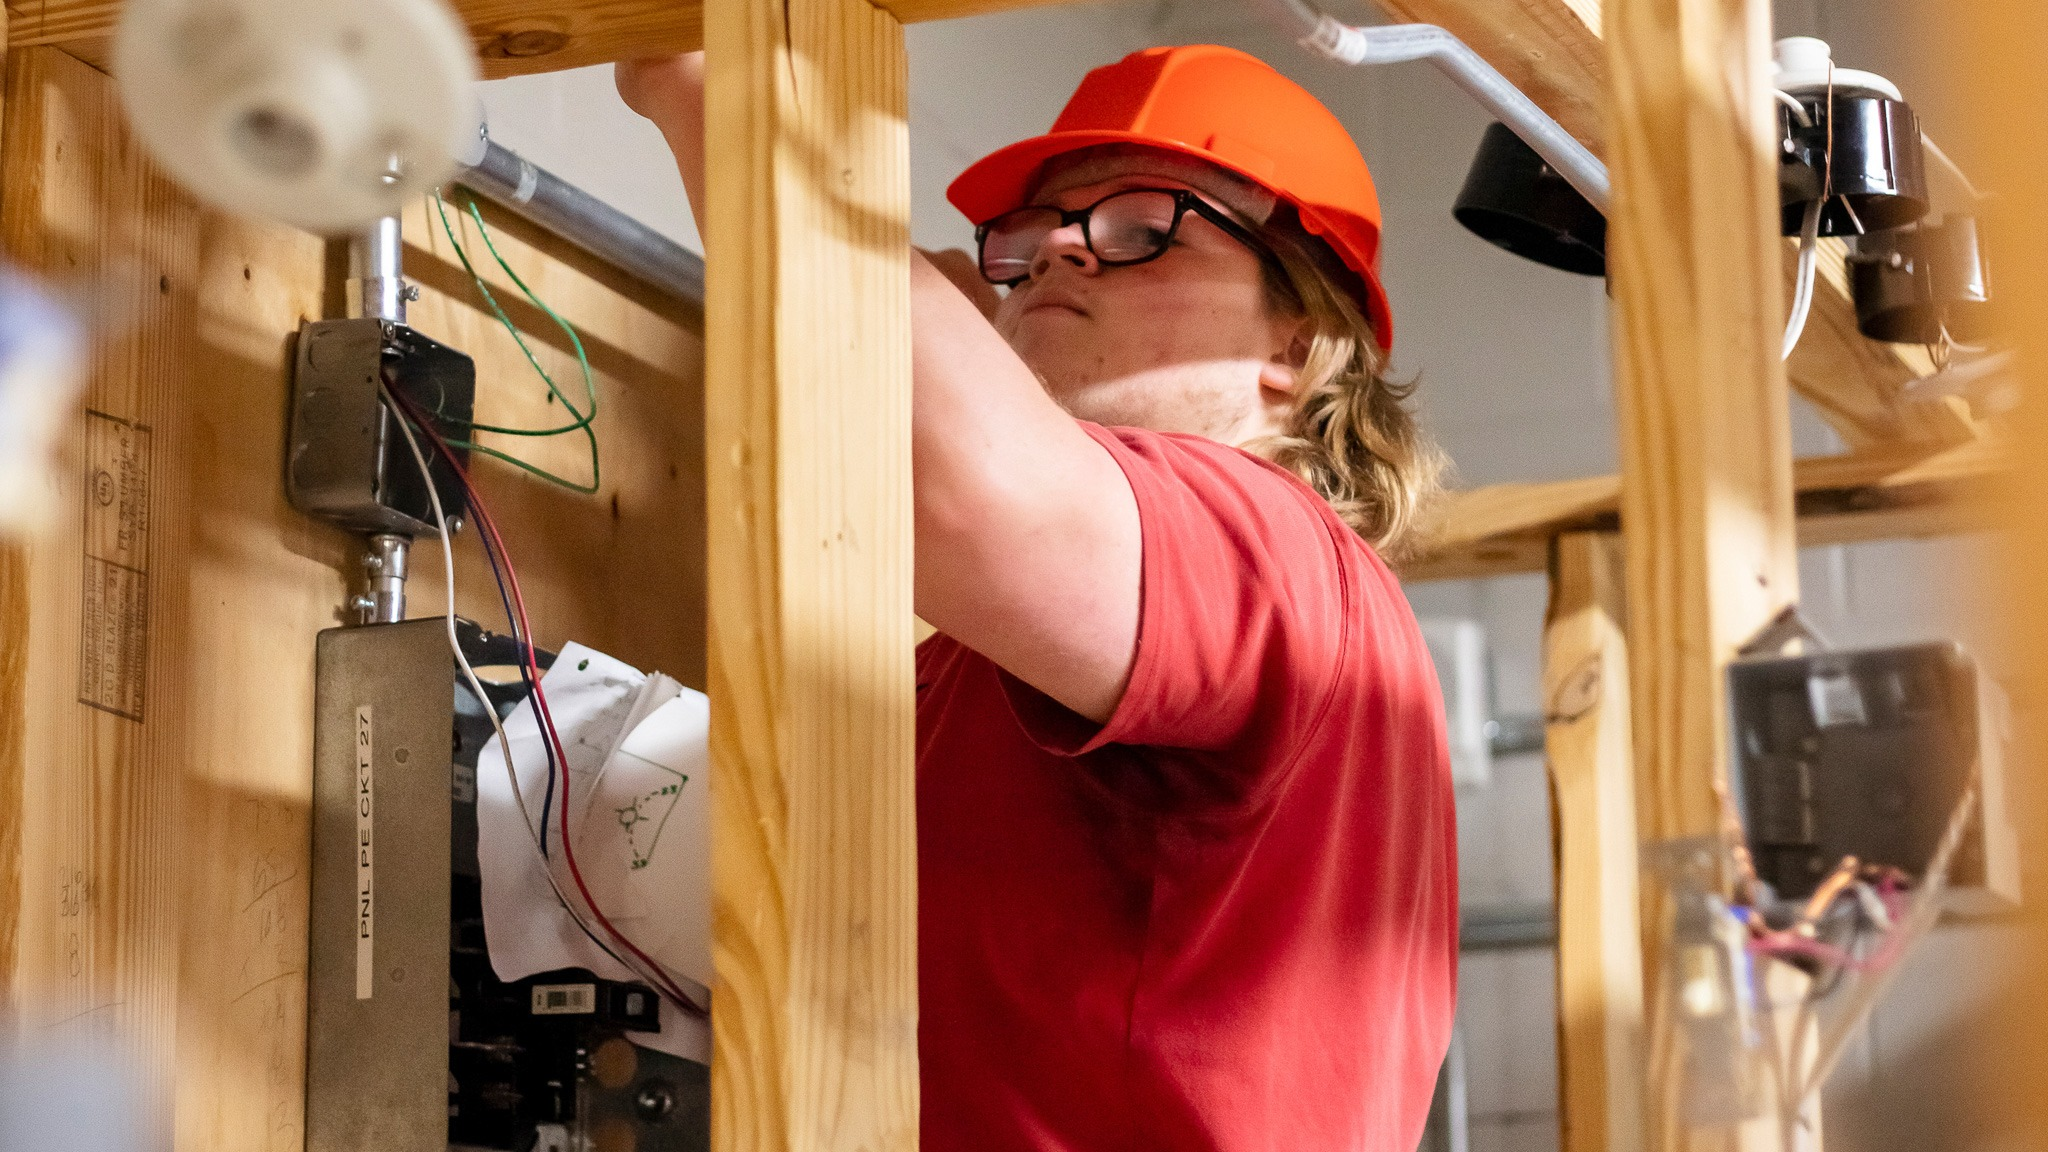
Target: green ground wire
{"points": [[589, 489], [583, 420], [589, 386]]}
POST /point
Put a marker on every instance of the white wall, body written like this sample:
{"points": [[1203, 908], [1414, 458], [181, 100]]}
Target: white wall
{"points": [[1513, 362]]}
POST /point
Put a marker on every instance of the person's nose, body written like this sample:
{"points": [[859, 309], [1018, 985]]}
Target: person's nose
{"points": [[1069, 244]]}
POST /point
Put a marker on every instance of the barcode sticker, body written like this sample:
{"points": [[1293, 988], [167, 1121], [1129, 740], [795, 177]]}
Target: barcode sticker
{"points": [[564, 999]]}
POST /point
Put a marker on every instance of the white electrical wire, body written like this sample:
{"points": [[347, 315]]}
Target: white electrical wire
{"points": [[1798, 110], [1802, 293], [476, 686]]}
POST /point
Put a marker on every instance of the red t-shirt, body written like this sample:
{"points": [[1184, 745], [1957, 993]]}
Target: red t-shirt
{"points": [[1226, 919]]}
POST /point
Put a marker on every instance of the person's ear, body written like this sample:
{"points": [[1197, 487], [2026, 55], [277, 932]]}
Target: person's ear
{"points": [[1279, 373], [1277, 378]]}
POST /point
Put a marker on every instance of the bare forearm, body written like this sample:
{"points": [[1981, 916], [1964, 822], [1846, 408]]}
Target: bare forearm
{"points": [[1027, 532], [670, 92]]}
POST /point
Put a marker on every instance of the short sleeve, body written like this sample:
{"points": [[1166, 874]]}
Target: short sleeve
{"points": [[1241, 622]]}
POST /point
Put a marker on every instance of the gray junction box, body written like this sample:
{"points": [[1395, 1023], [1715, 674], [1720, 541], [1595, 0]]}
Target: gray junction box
{"points": [[377, 988]]}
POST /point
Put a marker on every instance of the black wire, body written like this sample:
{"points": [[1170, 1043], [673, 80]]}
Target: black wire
{"points": [[417, 417], [412, 416]]}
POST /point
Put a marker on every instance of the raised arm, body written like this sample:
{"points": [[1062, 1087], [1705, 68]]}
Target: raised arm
{"points": [[1028, 544]]}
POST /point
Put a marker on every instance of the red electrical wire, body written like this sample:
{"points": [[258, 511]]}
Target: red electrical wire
{"points": [[490, 527]]}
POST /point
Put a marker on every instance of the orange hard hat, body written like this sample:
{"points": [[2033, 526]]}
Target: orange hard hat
{"points": [[1223, 106]]}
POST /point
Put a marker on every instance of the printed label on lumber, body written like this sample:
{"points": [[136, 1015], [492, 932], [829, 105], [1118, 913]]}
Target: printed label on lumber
{"points": [[114, 626]]}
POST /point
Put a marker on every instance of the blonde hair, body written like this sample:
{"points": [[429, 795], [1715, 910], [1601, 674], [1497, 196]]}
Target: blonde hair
{"points": [[1350, 435]]}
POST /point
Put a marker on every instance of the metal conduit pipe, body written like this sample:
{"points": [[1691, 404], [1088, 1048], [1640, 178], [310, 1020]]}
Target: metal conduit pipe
{"points": [[1394, 43], [376, 272], [510, 181]]}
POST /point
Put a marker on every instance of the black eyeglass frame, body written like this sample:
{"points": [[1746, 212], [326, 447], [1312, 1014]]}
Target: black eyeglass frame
{"points": [[1184, 202]]}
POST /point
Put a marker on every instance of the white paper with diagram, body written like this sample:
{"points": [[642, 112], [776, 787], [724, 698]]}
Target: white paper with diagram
{"points": [[640, 816]]}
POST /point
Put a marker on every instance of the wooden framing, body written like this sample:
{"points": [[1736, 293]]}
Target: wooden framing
{"points": [[812, 694], [1999, 42], [513, 37], [153, 870], [1870, 495], [109, 922], [1586, 739], [1705, 432]]}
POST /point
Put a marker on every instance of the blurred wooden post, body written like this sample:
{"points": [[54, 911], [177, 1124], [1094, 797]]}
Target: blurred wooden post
{"points": [[1997, 65], [1694, 267], [1599, 952], [808, 452]]}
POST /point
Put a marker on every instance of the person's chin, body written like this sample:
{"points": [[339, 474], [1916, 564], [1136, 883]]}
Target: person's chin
{"points": [[1049, 321], [1086, 397]]}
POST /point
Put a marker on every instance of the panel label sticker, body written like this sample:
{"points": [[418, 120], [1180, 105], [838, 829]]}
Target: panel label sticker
{"points": [[564, 999], [114, 625], [365, 906]]}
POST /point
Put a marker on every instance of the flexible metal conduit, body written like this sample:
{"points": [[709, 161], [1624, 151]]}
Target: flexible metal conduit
{"points": [[1395, 43], [507, 179]]}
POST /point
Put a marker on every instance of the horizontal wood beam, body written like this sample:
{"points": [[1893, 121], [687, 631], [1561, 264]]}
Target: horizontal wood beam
{"points": [[1551, 49], [513, 37], [1871, 495]]}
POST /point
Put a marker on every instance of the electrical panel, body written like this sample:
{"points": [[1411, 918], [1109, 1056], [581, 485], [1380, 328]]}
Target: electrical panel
{"points": [[547, 1063], [414, 1044], [1867, 754]]}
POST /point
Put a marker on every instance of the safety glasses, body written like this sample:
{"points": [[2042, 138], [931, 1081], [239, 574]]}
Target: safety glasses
{"points": [[1121, 229]]}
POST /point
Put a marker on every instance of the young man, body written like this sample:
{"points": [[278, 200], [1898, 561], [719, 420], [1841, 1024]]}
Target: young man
{"points": [[1186, 861]]}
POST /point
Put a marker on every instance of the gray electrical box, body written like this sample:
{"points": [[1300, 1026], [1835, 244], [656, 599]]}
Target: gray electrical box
{"points": [[346, 462], [377, 990], [1867, 753]]}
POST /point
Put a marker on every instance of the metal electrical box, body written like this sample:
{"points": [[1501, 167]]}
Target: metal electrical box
{"points": [[347, 462], [377, 988], [1867, 753]]}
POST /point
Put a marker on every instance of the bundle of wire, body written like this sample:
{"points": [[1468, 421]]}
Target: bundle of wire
{"points": [[1876, 901], [641, 964], [1809, 230], [1881, 898], [581, 419]]}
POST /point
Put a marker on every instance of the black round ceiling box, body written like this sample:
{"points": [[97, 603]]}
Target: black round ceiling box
{"points": [[1912, 284], [1514, 200], [1878, 170]]}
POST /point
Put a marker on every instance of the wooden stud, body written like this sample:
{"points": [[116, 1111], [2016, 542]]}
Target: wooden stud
{"points": [[808, 443], [1599, 951], [1694, 267], [102, 609]]}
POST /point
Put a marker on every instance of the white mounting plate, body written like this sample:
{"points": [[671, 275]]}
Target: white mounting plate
{"points": [[324, 114]]}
